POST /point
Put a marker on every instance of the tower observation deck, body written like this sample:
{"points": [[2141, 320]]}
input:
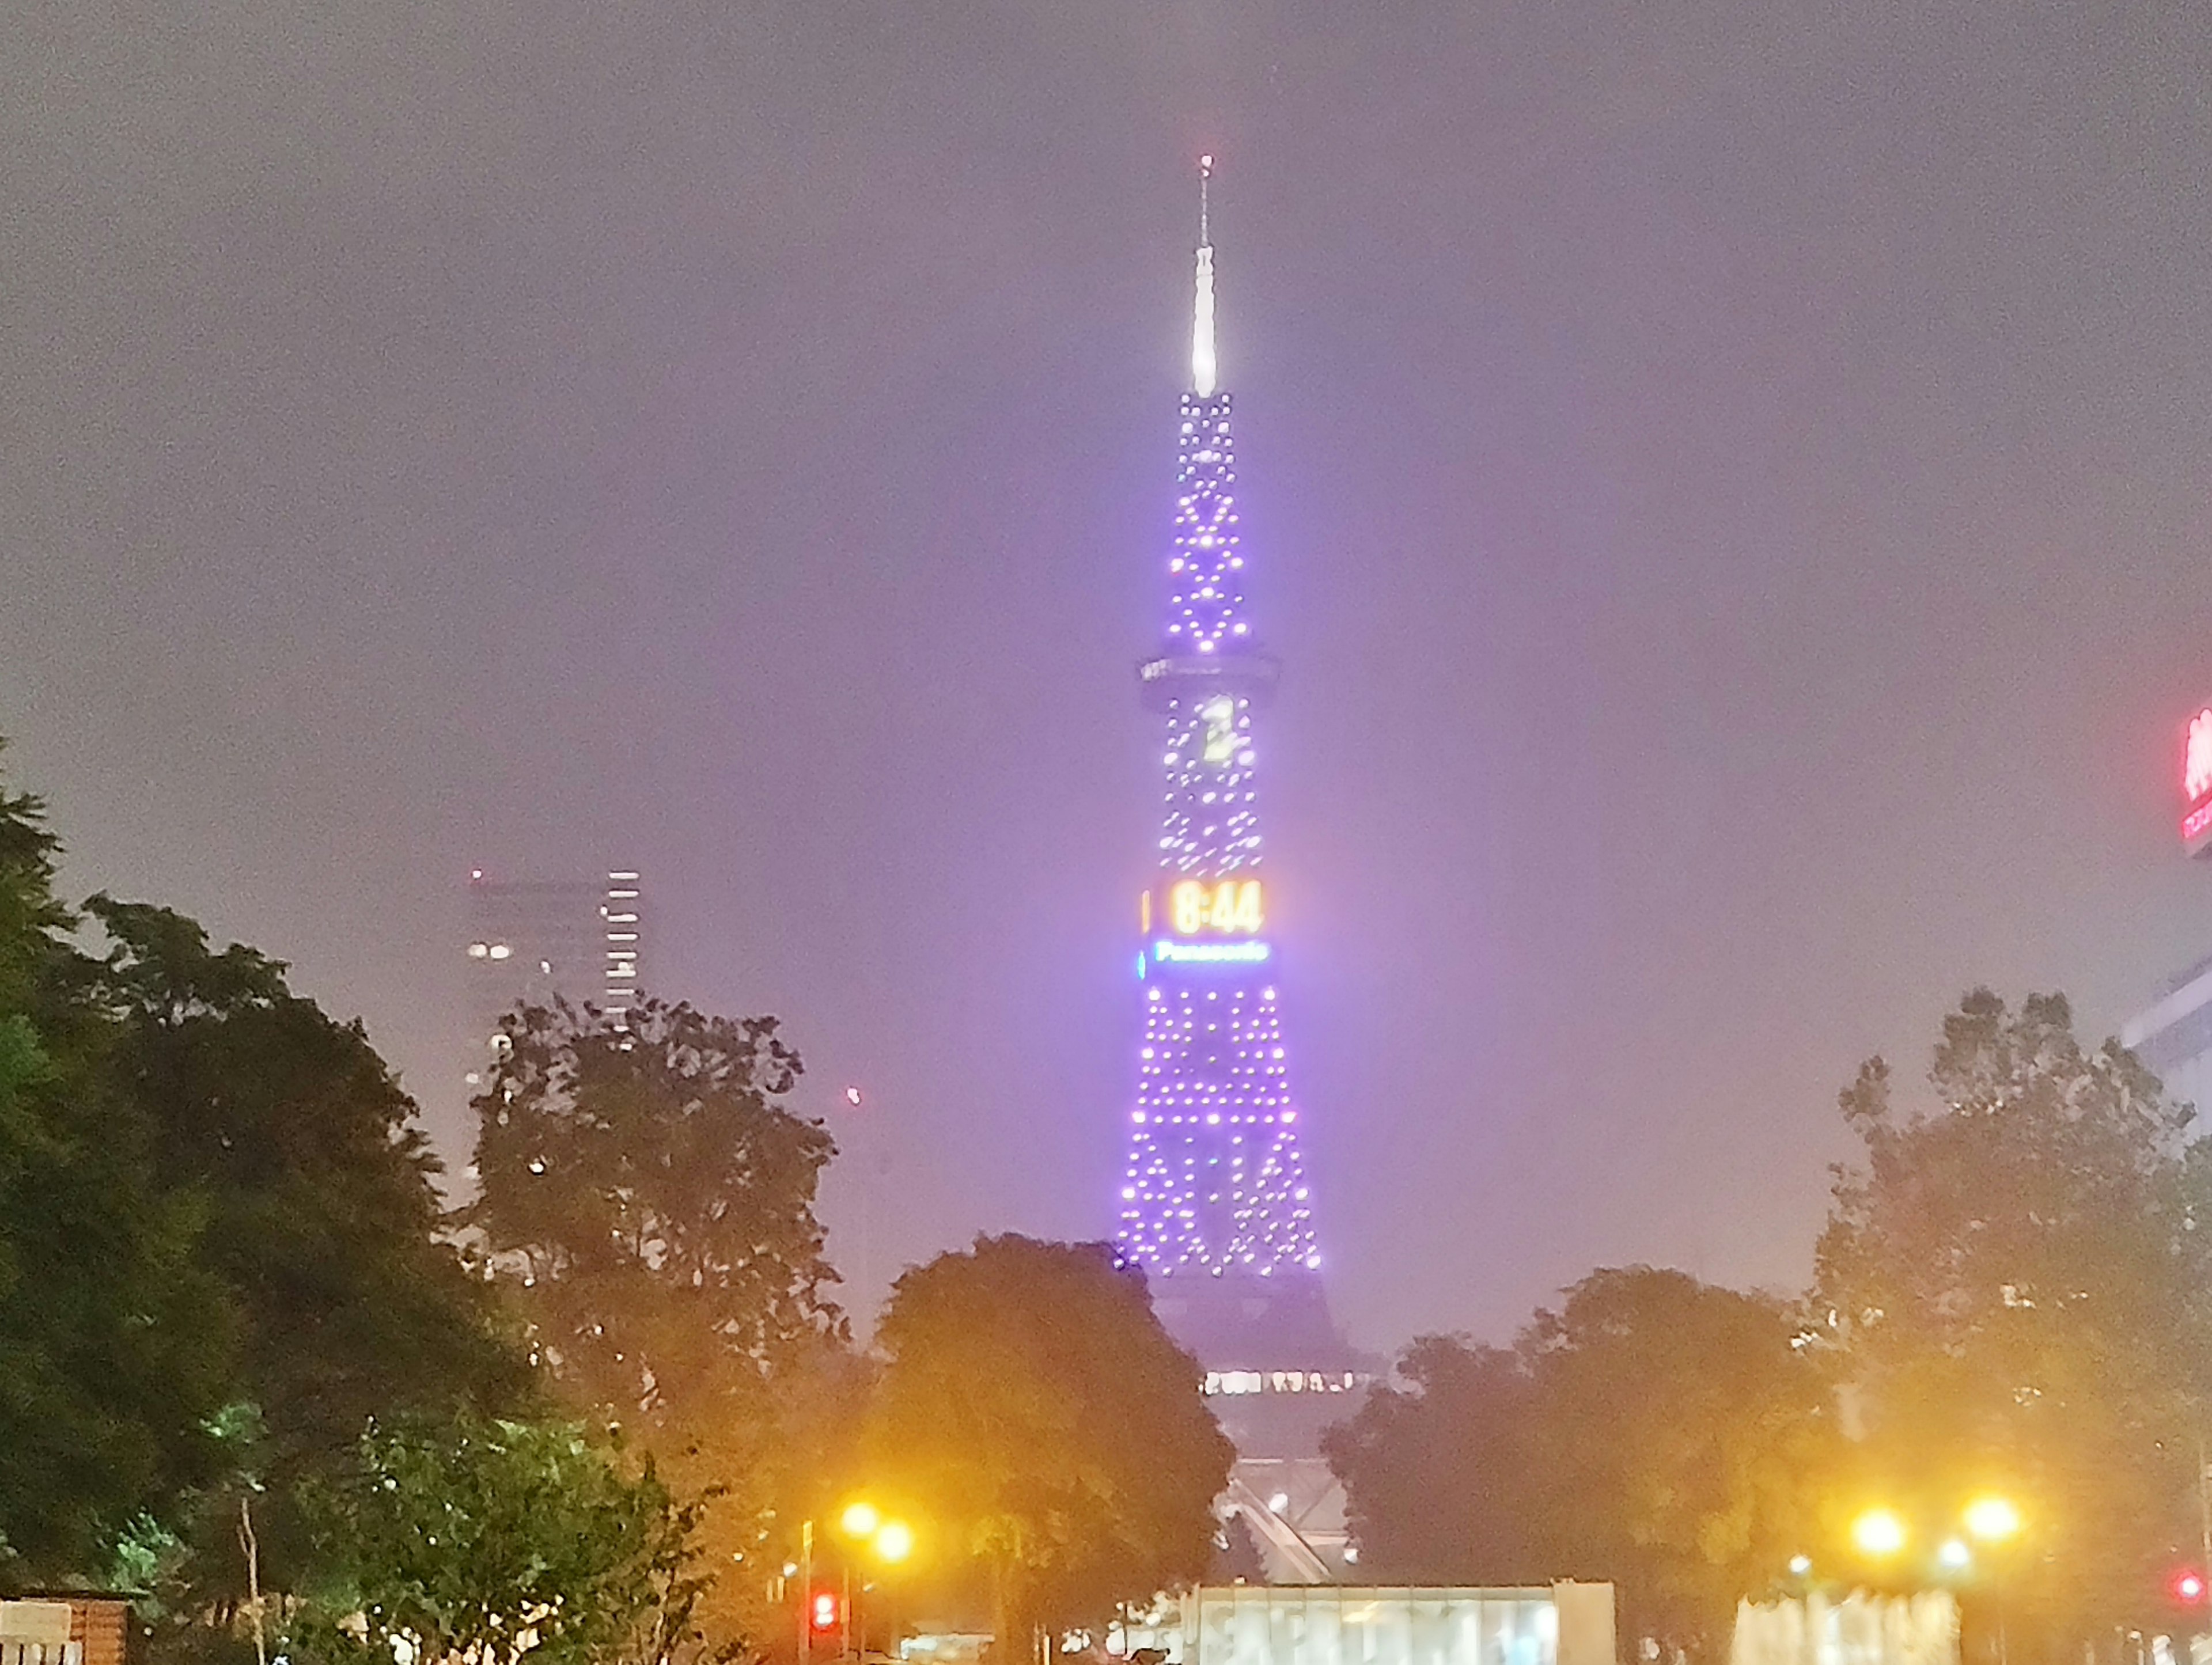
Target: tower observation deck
{"points": [[1216, 1205]]}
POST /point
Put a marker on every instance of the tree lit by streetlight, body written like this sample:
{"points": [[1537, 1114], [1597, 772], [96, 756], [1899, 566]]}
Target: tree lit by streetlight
{"points": [[1878, 1532], [1992, 1519]]}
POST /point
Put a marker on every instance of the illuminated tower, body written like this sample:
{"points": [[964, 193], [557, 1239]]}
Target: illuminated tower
{"points": [[1215, 1204]]}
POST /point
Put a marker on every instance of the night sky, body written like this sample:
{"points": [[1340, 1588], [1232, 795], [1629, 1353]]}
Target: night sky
{"points": [[1727, 480]]}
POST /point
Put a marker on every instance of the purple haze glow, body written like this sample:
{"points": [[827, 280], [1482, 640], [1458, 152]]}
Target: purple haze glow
{"points": [[1726, 482]]}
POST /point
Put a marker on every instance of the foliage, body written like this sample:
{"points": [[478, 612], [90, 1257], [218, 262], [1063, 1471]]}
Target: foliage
{"points": [[781, 1450], [117, 1344], [325, 1222], [1040, 1419], [2015, 1291], [222, 1249], [1654, 1431], [493, 1542], [324, 1227], [648, 1203]]}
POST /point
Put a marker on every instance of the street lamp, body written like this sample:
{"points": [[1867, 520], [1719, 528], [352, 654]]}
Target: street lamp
{"points": [[1992, 1520], [890, 1540], [1878, 1532]]}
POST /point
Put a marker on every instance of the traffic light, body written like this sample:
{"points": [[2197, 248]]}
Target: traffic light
{"points": [[822, 1610], [2186, 1586]]}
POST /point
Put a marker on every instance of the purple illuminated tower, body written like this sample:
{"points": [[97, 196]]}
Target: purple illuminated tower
{"points": [[1215, 1204]]}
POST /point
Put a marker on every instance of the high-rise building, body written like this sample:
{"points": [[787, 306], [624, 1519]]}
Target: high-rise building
{"points": [[531, 939], [2173, 1034], [1215, 1204]]}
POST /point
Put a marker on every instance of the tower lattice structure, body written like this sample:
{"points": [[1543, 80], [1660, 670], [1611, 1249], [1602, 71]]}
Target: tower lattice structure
{"points": [[1214, 1191]]}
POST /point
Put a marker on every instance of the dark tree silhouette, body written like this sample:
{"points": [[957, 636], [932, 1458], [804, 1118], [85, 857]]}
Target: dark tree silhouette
{"points": [[1043, 1424], [648, 1203]]}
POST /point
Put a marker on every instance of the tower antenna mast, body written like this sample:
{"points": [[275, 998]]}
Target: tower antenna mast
{"points": [[1203, 368]]}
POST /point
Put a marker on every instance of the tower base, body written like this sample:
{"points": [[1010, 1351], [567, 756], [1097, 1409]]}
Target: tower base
{"points": [[1277, 1374]]}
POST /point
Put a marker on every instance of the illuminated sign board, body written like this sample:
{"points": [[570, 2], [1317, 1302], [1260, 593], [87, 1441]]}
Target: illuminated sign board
{"points": [[1204, 921], [1167, 951], [2197, 784], [1205, 908]]}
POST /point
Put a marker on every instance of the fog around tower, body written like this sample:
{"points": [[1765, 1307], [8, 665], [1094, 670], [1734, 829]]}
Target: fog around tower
{"points": [[1726, 489]]}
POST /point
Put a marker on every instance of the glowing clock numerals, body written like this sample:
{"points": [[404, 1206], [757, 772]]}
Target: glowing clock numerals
{"points": [[1229, 908]]}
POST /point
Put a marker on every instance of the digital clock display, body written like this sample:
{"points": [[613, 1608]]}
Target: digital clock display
{"points": [[1206, 908]]}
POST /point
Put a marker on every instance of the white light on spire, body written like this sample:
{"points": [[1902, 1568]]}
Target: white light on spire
{"points": [[1202, 368], [1201, 334]]}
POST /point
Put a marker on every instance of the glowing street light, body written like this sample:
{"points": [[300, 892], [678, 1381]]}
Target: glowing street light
{"points": [[1878, 1532], [1954, 1556], [890, 1540], [1992, 1519]]}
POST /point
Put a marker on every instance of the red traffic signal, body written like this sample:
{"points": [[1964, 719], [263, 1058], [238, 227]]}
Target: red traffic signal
{"points": [[822, 1610], [2187, 1585]]}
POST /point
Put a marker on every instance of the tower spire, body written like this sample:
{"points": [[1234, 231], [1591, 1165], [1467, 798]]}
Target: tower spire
{"points": [[1202, 367]]}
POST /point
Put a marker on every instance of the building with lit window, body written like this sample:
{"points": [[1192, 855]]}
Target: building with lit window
{"points": [[2173, 1034], [532, 940], [1216, 1205]]}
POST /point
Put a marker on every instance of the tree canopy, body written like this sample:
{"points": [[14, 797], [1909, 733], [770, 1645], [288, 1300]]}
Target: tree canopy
{"points": [[2012, 1290], [319, 1187], [2012, 1301], [496, 1543], [119, 1346], [1655, 1431], [1038, 1416], [647, 1201], [221, 1245]]}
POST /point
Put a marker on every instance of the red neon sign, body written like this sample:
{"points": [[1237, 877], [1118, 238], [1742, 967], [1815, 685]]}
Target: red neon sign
{"points": [[2197, 784]]}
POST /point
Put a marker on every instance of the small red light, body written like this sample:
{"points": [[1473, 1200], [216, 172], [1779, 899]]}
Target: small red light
{"points": [[2189, 1586], [825, 1610]]}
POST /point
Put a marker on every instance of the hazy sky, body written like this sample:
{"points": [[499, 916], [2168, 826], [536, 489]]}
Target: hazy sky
{"points": [[1727, 480]]}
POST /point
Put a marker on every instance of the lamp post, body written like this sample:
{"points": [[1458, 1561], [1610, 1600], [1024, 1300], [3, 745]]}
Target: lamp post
{"points": [[889, 1539], [1993, 1521], [805, 1592]]}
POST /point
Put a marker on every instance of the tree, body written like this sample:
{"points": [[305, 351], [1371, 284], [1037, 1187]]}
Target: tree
{"points": [[1655, 1431], [648, 1202], [495, 1543], [221, 1246], [1694, 1436], [1043, 1423], [322, 1225], [1444, 1482], [2015, 1286], [119, 1351]]}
